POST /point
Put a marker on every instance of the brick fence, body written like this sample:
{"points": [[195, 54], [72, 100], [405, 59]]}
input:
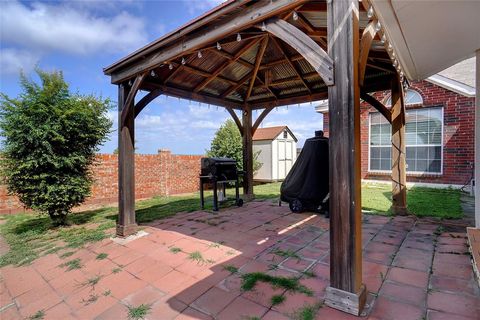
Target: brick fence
{"points": [[159, 174], [458, 134]]}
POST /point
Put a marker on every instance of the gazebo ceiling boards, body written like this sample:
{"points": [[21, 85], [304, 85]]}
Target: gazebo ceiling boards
{"points": [[246, 55], [232, 56]]}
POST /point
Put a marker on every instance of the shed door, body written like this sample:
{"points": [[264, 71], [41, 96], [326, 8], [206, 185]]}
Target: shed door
{"points": [[281, 159], [288, 156]]}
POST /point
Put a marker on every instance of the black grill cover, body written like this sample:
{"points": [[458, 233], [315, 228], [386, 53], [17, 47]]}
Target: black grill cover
{"points": [[307, 181]]}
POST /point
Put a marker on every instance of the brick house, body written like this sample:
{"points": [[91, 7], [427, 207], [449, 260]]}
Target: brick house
{"points": [[439, 130]]}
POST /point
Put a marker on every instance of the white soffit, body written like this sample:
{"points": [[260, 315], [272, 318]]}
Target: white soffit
{"points": [[429, 36]]}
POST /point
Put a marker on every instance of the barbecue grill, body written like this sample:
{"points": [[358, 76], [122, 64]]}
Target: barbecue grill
{"points": [[219, 171]]}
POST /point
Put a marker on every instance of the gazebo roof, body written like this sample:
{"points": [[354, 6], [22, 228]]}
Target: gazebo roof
{"points": [[225, 58]]}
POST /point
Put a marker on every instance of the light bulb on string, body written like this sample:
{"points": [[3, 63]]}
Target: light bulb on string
{"points": [[170, 66], [383, 38], [152, 73], [370, 12], [199, 54], [239, 37], [295, 15], [264, 27], [183, 61], [219, 46], [378, 26]]}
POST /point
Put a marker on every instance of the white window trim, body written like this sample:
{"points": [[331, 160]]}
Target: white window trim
{"points": [[409, 173]]}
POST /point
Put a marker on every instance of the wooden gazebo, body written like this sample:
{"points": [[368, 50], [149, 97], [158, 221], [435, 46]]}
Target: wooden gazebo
{"points": [[256, 55]]}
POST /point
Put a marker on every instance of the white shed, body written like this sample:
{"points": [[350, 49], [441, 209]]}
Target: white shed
{"points": [[278, 152]]}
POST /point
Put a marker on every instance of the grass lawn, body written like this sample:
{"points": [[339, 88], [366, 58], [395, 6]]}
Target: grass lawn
{"points": [[31, 236]]}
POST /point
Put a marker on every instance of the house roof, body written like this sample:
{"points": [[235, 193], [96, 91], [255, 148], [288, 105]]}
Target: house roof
{"points": [[271, 133], [427, 36], [459, 78]]}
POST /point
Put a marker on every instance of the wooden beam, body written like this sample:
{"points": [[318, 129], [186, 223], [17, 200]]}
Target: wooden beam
{"points": [[292, 65], [126, 224], [377, 105], [306, 24], [189, 95], [226, 64], [128, 106], [223, 53], [346, 291], [288, 100], [196, 40], [260, 118], [146, 100], [258, 61], [365, 44], [399, 174], [238, 85], [247, 153], [235, 118], [304, 45]]}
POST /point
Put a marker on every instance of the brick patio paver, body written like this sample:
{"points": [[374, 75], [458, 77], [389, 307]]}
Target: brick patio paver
{"points": [[410, 270]]}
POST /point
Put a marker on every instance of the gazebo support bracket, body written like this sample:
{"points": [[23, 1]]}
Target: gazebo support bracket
{"points": [[399, 175], [346, 291]]}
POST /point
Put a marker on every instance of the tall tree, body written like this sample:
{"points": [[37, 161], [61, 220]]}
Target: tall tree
{"points": [[50, 139], [228, 143]]}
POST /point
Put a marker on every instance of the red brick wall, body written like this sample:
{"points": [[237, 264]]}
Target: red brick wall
{"points": [[155, 175], [458, 134]]}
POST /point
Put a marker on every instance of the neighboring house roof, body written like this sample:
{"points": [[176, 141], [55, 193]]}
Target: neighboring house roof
{"points": [[459, 78], [271, 133]]}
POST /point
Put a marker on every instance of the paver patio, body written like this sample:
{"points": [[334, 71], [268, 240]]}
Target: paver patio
{"points": [[185, 269]]}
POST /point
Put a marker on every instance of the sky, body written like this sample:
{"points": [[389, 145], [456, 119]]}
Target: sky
{"points": [[80, 38]]}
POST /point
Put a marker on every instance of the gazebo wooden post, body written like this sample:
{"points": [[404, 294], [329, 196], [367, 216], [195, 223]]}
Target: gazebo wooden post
{"points": [[346, 291], [399, 175], [247, 152], [126, 224]]}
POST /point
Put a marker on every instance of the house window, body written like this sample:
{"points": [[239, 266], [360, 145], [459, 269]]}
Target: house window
{"points": [[285, 134], [411, 97], [423, 139]]}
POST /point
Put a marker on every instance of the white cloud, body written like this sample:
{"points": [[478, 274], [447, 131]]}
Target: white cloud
{"points": [[45, 27], [12, 61], [196, 7]]}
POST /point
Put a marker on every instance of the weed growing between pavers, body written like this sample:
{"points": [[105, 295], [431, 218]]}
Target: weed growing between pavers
{"points": [[140, 312], [116, 270], [230, 268], [175, 250], [39, 315], [309, 274], [285, 253], [93, 281], [72, 264], [307, 312], [277, 299], [249, 280], [66, 254], [102, 256], [91, 299], [197, 256], [106, 293]]}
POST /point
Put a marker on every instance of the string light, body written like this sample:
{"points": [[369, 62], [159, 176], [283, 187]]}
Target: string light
{"points": [[378, 26], [219, 46], [183, 61], [264, 27], [383, 39], [170, 66], [152, 73], [239, 37], [130, 83], [370, 12], [199, 54], [390, 48], [395, 63], [295, 15]]}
